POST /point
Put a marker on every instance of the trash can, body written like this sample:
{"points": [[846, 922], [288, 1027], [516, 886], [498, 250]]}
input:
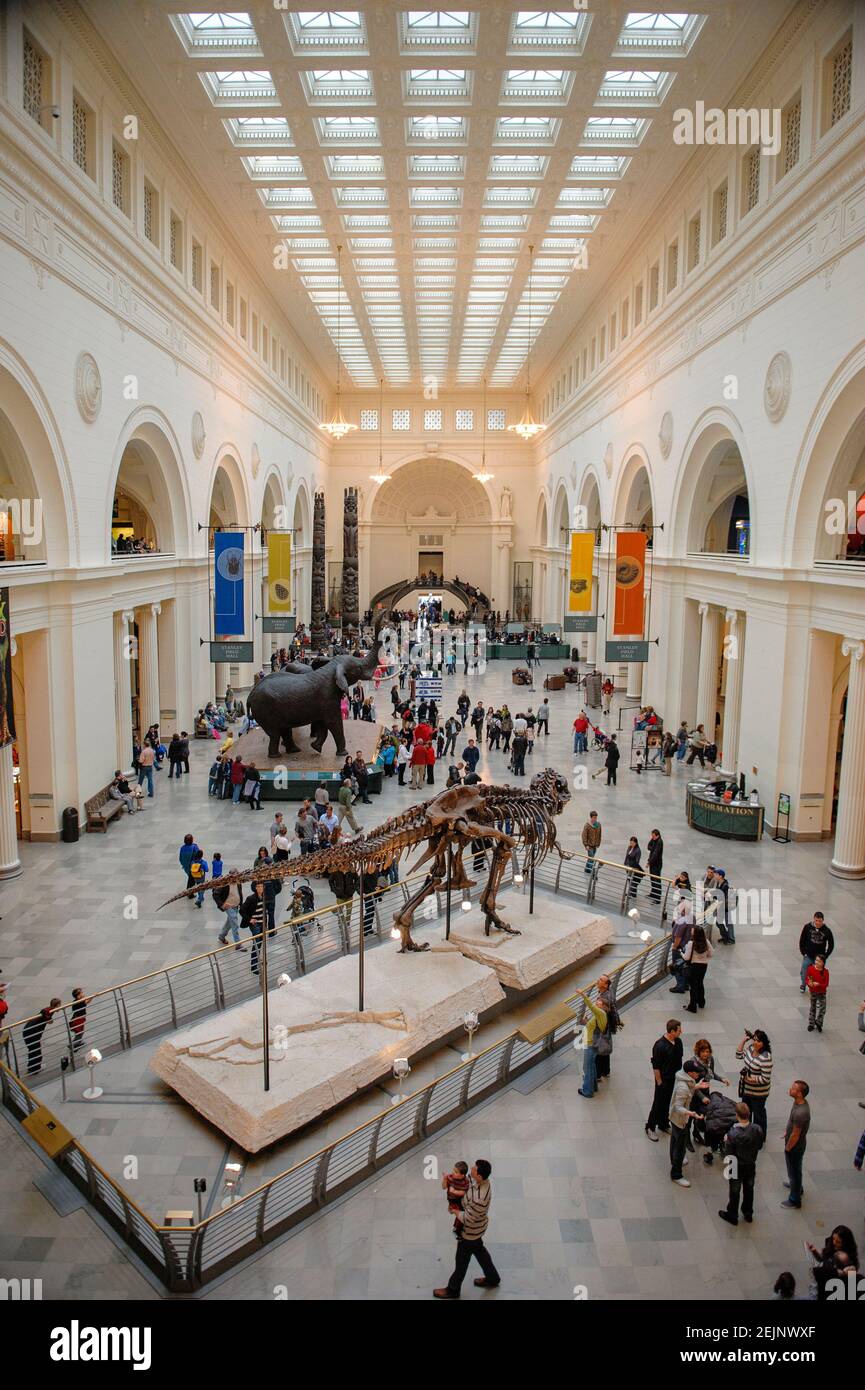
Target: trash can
{"points": [[70, 825]]}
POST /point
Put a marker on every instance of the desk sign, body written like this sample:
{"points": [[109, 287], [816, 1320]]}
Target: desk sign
{"points": [[231, 652], [627, 651], [581, 622], [283, 624], [428, 687]]}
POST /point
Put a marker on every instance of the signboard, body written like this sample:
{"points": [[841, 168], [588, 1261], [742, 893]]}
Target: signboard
{"points": [[428, 687], [630, 582], [515, 627], [551, 627], [231, 651], [279, 571], [286, 624], [580, 576], [783, 804], [581, 622], [228, 589], [627, 651]]}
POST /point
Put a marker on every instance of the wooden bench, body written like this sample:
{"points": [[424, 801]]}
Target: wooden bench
{"points": [[101, 809]]}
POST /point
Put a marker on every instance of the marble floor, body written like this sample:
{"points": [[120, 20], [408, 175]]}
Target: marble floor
{"points": [[567, 1209]]}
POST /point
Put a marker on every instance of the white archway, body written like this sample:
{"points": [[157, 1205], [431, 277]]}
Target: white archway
{"points": [[147, 466], [34, 462], [714, 471], [831, 462]]}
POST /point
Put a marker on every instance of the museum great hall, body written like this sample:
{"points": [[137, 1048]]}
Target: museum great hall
{"points": [[535, 337]]}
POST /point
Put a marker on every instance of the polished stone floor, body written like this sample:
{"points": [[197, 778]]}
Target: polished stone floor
{"points": [[581, 1197]]}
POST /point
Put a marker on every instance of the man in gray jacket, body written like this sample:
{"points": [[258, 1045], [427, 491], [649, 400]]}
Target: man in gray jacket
{"points": [[689, 1079]]}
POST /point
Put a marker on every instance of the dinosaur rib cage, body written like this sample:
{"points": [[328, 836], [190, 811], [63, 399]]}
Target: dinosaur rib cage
{"points": [[526, 813]]}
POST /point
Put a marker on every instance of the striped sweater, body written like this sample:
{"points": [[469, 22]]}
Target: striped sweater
{"points": [[758, 1072], [476, 1210]]}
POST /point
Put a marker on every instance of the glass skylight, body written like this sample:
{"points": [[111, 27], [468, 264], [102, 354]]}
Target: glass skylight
{"points": [[451, 84], [536, 129], [506, 166], [437, 29], [240, 87], [273, 166], [228, 34], [286, 197], [435, 165], [601, 166], [436, 128], [259, 130], [618, 130], [329, 85], [658, 33], [323, 31], [585, 197], [338, 129], [537, 84], [349, 166], [631, 86]]}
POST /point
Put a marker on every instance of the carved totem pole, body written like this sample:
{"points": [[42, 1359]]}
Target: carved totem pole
{"points": [[318, 605], [350, 587]]}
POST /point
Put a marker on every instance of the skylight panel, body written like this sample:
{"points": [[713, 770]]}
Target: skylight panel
{"points": [[436, 128], [296, 222], [505, 222], [339, 129], [537, 84], [601, 166], [506, 166], [325, 31], [431, 194], [632, 86], [371, 243], [259, 130], [350, 166], [573, 221], [515, 196], [438, 219], [434, 243], [240, 87], [451, 84], [361, 221], [286, 197], [228, 34], [275, 166], [549, 31], [585, 197], [651, 33], [528, 129], [355, 194], [618, 130], [329, 85], [437, 29]]}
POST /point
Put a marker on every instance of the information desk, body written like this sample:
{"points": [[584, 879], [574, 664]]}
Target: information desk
{"points": [[730, 820]]}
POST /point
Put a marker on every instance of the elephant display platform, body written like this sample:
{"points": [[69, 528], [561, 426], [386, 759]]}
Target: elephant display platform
{"points": [[306, 768]]}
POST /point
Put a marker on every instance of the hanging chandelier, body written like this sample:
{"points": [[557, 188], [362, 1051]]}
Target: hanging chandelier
{"points": [[381, 476], [483, 476], [527, 426], [337, 426]]}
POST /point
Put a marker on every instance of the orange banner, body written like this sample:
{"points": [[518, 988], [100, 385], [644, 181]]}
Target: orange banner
{"points": [[630, 583]]}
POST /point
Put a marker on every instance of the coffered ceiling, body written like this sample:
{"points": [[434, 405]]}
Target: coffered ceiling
{"points": [[435, 147]]}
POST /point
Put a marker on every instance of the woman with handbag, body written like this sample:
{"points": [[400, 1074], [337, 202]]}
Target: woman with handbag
{"points": [[755, 1078], [604, 1043]]}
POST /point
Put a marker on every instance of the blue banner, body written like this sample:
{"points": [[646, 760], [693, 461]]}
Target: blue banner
{"points": [[228, 606]]}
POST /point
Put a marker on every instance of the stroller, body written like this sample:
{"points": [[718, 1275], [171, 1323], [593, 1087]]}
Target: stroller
{"points": [[302, 900]]}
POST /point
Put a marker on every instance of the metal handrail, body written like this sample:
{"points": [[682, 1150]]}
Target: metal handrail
{"points": [[180, 1255]]}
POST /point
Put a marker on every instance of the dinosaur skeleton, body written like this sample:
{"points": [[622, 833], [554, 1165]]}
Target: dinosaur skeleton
{"points": [[506, 818]]}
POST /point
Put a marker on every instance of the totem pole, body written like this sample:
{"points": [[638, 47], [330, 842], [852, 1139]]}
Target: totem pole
{"points": [[350, 590], [317, 634]]}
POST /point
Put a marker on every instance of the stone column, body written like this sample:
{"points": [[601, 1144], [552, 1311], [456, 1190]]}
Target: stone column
{"points": [[591, 648], [10, 864], [707, 679], [634, 687], [148, 665], [123, 689], [733, 700], [848, 860]]}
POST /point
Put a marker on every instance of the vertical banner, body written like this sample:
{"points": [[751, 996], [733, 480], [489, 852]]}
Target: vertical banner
{"points": [[279, 572], [228, 587], [580, 579], [630, 583], [7, 715]]}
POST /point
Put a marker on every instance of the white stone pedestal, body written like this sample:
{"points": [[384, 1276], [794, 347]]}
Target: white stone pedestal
{"points": [[556, 938]]}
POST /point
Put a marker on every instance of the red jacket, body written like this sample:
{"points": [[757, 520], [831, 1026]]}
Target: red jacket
{"points": [[430, 754], [581, 724], [816, 981], [418, 754], [423, 731], [236, 773]]}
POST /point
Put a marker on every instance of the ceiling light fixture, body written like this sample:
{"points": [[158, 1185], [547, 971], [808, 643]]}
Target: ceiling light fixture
{"points": [[527, 426], [381, 476], [337, 426], [483, 476]]}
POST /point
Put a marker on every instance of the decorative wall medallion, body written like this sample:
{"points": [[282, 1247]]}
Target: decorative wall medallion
{"points": [[199, 434], [88, 386], [665, 434], [608, 460], [256, 461], [776, 391]]}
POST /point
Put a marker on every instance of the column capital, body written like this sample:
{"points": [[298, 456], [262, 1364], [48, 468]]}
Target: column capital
{"points": [[702, 609], [127, 616], [156, 609], [852, 647], [731, 616]]}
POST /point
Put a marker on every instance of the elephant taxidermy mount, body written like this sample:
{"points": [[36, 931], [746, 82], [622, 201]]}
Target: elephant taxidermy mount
{"points": [[299, 695]]}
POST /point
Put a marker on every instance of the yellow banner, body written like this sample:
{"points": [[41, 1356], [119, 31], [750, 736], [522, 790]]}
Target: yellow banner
{"points": [[279, 572], [580, 580]]}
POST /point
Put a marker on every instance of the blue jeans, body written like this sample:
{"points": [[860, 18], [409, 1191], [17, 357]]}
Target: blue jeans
{"points": [[794, 1159], [580, 743], [146, 774], [806, 961], [590, 1071], [681, 751], [232, 921], [175, 769], [235, 794], [590, 854]]}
